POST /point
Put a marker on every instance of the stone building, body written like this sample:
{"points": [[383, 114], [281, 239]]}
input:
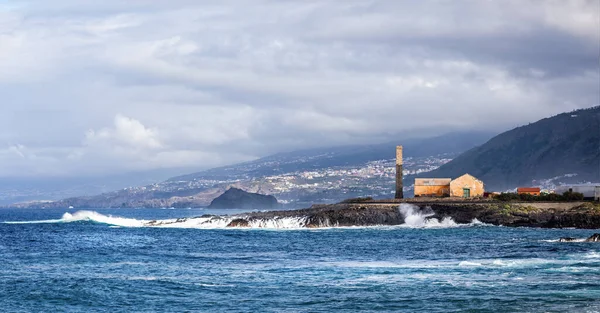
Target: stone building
{"points": [[432, 187], [466, 186]]}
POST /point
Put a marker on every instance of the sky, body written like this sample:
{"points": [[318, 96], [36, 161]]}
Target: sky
{"points": [[99, 87]]}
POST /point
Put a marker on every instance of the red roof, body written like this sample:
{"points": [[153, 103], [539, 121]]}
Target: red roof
{"points": [[528, 189]]}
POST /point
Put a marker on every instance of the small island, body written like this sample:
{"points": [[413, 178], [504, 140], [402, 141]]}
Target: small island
{"points": [[235, 198]]}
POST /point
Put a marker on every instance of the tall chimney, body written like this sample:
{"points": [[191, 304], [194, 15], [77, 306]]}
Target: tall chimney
{"points": [[399, 184]]}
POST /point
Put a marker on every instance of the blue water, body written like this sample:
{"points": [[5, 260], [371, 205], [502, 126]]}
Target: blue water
{"points": [[87, 266]]}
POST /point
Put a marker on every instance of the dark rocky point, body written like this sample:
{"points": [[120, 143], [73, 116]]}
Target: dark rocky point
{"points": [[567, 239], [594, 238], [235, 198], [239, 222]]}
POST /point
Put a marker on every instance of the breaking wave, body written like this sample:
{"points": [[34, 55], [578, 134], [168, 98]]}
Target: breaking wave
{"points": [[203, 222], [415, 217], [89, 216]]}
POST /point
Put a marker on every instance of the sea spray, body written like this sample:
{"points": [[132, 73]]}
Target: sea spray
{"points": [[216, 222], [416, 217], [88, 216], [93, 216], [202, 222]]}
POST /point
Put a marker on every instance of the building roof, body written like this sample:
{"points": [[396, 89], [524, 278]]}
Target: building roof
{"points": [[528, 189], [456, 180], [432, 181]]}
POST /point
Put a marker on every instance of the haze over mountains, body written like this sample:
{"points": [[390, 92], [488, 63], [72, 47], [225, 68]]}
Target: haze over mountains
{"points": [[297, 178], [312, 159], [555, 150]]}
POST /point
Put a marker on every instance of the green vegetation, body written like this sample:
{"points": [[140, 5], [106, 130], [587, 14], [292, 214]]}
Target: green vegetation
{"points": [[589, 207], [508, 209], [357, 200], [550, 197]]}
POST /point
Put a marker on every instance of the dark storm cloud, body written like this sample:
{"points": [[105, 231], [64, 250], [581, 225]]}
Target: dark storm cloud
{"points": [[108, 86]]}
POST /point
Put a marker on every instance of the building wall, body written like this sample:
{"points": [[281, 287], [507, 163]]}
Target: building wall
{"points": [[529, 191], [533, 193], [588, 191], [438, 191], [466, 181]]}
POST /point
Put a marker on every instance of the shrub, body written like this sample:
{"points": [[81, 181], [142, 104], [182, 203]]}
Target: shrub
{"points": [[551, 197], [572, 196], [357, 200], [507, 196]]}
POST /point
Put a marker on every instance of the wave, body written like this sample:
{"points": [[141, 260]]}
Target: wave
{"points": [[203, 222], [215, 222], [590, 261], [415, 217], [90, 216]]}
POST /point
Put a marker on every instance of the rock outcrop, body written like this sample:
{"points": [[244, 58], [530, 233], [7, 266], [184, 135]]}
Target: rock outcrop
{"points": [[585, 216], [567, 239], [594, 238], [330, 216], [235, 198], [548, 215]]}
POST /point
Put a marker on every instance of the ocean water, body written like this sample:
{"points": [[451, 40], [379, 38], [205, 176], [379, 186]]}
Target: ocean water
{"points": [[113, 261]]}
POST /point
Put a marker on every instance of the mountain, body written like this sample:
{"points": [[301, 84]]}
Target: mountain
{"points": [[235, 198], [565, 147], [350, 155], [297, 179]]}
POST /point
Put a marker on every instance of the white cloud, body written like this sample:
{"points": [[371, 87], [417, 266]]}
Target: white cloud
{"points": [[127, 132], [108, 86]]}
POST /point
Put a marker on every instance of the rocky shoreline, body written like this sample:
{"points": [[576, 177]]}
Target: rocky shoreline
{"points": [[584, 215]]}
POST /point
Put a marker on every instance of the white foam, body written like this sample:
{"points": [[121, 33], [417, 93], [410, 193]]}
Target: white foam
{"points": [[216, 222], [206, 222], [592, 255], [558, 240], [469, 263], [101, 218], [89, 216], [415, 217], [279, 223]]}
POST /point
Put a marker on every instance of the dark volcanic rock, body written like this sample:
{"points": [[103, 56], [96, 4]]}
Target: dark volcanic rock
{"points": [[566, 239], [594, 238], [235, 198], [548, 215], [340, 215], [584, 216], [239, 222]]}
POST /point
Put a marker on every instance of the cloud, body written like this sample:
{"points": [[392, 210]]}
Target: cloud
{"points": [[91, 87], [127, 132]]}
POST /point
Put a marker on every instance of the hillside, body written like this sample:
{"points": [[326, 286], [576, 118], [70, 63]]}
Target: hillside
{"points": [[558, 146], [297, 179], [351, 155]]}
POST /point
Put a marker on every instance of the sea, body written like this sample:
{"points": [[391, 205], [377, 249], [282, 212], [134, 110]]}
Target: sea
{"points": [[114, 260]]}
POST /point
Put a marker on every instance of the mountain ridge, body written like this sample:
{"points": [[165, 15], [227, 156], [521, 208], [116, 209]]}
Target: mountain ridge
{"points": [[561, 145], [297, 178]]}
